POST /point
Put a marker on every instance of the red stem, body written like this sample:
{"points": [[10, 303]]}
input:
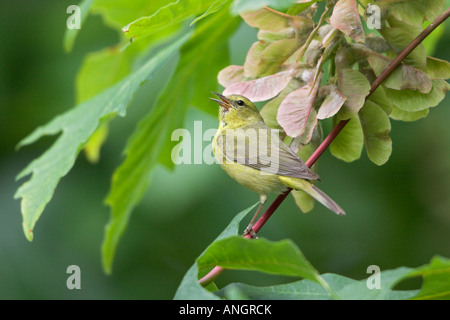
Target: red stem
{"points": [[325, 143], [336, 130]]}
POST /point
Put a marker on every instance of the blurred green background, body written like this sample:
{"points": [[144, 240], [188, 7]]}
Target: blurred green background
{"points": [[397, 214]]}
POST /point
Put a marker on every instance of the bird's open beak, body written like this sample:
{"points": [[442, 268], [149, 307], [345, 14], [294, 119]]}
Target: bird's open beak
{"points": [[223, 102]]}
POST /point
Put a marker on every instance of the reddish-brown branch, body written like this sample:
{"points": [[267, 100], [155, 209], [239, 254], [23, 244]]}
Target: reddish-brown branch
{"points": [[270, 210], [386, 72], [336, 130]]}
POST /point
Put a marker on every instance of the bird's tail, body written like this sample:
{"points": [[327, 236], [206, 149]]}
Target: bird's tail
{"points": [[313, 191]]}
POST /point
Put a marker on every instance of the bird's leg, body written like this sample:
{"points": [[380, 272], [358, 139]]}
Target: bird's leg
{"points": [[249, 229]]}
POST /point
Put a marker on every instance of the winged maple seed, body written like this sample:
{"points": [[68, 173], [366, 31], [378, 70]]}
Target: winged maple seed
{"points": [[285, 68]]}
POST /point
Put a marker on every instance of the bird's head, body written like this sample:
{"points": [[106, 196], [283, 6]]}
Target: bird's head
{"points": [[236, 110]]}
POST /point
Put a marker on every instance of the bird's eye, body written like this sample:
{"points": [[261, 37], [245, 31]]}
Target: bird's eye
{"points": [[240, 103]]}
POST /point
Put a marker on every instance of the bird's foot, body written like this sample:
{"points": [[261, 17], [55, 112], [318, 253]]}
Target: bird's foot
{"points": [[249, 230]]}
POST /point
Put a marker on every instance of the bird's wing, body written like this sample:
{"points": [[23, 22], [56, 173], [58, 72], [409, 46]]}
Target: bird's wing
{"points": [[260, 148]]}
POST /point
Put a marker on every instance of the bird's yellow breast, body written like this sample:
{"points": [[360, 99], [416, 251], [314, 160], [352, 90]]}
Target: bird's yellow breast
{"points": [[249, 177]]}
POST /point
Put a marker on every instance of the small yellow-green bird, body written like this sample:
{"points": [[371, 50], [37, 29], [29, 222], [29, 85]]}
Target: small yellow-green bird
{"points": [[253, 155]]}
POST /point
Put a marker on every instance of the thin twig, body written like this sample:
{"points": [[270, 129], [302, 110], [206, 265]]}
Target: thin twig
{"points": [[336, 130], [312, 35], [386, 72], [278, 12]]}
